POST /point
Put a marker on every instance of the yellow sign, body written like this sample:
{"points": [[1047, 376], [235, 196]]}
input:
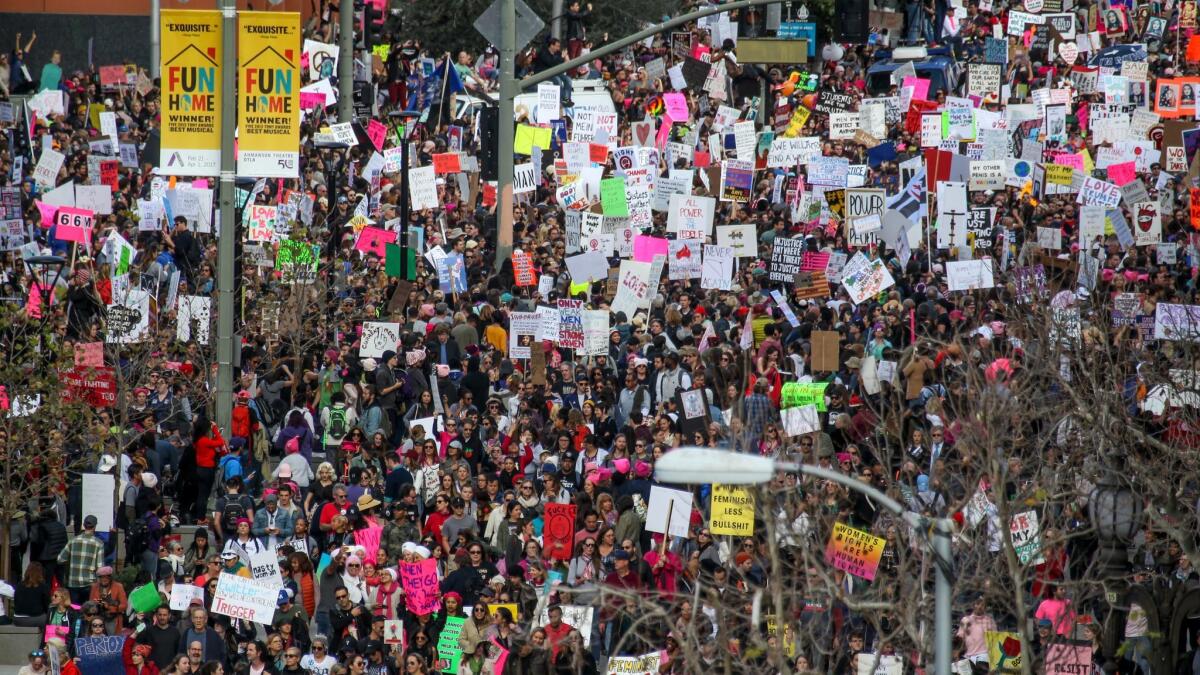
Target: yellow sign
{"points": [[191, 93], [796, 124], [269, 94], [528, 136], [789, 637], [732, 511], [1004, 651], [1059, 174]]}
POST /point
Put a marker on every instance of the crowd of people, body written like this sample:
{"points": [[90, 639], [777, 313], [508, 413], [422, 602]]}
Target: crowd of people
{"points": [[934, 245]]}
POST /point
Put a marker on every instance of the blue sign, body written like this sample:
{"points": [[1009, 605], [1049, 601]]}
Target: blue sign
{"points": [[805, 30], [100, 655]]}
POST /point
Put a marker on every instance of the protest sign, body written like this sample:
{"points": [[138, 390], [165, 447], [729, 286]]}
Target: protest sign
{"points": [[1004, 651], [646, 664], [182, 596], [558, 531], [731, 511], [420, 582], [241, 598], [377, 338], [854, 551], [1026, 537], [523, 330], [449, 652], [786, 258], [668, 503], [1068, 658], [100, 655], [578, 617], [264, 567], [98, 499], [864, 278], [690, 213], [717, 270]]}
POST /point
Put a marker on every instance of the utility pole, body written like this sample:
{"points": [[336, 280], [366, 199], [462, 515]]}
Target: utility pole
{"points": [[345, 60], [556, 13], [226, 243], [155, 37], [508, 92]]}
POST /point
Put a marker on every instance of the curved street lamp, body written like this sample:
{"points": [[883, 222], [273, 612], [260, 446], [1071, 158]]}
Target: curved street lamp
{"points": [[1116, 513], [698, 466]]}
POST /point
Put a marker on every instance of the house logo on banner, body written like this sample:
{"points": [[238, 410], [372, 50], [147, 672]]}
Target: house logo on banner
{"points": [[269, 84]]}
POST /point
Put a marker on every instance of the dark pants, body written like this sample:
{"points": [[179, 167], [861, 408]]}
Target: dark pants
{"points": [[79, 594], [204, 487]]}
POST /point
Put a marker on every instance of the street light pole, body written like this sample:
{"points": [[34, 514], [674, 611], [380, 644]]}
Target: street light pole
{"points": [[697, 466], [400, 120], [226, 243], [155, 37], [345, 60], [509, 90]]}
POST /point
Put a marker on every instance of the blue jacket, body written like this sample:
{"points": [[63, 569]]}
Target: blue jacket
{"points": [[283, 521]]}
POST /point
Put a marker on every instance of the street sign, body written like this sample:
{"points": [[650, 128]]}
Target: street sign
{"points": [[529, 24]]}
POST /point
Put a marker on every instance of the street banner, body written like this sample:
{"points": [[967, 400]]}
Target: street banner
{"points": [[191, 93], [269, 94]]}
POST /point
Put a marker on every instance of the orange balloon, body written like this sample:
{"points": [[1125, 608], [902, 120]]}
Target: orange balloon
{"points": [[810, 100]]}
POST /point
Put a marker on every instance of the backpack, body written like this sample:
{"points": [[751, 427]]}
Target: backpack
{"points": [[231, 512], [137, 537], [269, 415], [337, 424]]}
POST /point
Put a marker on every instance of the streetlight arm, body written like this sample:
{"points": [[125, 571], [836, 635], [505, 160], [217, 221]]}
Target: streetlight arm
{"points": [[637, 37]]}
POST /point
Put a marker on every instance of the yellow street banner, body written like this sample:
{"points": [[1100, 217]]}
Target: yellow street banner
{"points": [[269, 94], [732, 511], [191, 92]]}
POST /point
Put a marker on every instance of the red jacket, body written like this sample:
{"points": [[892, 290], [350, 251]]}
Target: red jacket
{"points": [[208, 449]]}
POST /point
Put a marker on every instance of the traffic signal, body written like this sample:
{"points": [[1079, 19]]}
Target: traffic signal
{"points": [[373, 18]]}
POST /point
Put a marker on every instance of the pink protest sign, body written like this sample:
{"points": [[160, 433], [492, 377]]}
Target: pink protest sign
{"points": [[376, 132], [420, 582], [375, 240], [47, 211], [645, 248], [368, 538], [200, 184], [89, 355], [74, 225], [1122, 173], [920, 87], [1073, 160], [677, 108], [311, 99]]}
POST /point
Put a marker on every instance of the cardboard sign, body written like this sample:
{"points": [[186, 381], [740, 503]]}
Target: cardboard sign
{"points": [[100, 655]]}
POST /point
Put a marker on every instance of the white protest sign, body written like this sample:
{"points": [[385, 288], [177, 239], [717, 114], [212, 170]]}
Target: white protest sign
{"points": [[689, 212], [422, 188], [717, 269], [377, 338], [665, 502], [524, 178], [182, 596], [547, 105], [98, 499], [48, 166], [241, 598]]}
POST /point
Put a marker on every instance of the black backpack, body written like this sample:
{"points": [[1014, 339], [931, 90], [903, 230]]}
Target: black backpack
{"points": [[231, 512], [137, 537]]}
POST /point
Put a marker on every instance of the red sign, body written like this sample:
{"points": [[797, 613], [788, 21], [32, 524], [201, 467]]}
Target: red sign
{"points": [[112, 76], [558, 534], [96, 387], [110, 170]]}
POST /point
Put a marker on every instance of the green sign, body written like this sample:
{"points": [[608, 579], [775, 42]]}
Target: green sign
{"points": [[796, 394], [449, 653], [297, 261]]}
